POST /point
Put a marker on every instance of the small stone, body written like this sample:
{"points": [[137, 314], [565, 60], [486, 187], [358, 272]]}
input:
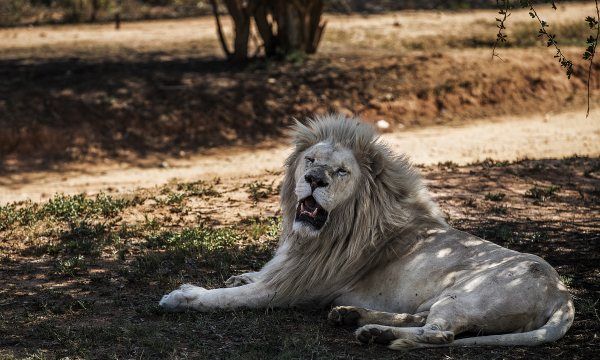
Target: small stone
{"points": [[382, 124]]}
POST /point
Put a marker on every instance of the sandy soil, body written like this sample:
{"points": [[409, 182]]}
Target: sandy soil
{"points": [[534, 137]]}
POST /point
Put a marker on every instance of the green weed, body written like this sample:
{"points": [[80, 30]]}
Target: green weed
{"points": [[70, 207], [194, 239], [495, 196], [22, 214], [269, 227], [198, 188], [70, 266], [260, 190], [448, 165], [542, 193], [500, 209]]}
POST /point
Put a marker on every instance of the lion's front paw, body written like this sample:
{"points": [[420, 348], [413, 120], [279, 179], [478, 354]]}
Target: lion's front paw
{"points": [[186, 297], [344, 316], [239, 280]]}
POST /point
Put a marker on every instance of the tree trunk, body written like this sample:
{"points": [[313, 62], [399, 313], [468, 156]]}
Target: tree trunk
{"points": [[222, 40], [285, 26], [118, 15], [95, 7], [265, 28], [239, 11], [299, 24]]}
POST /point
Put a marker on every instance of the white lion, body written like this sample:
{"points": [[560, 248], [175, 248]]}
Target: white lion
{"points": [[361, 232]]}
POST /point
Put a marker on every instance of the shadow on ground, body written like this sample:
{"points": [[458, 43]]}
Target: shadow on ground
{"points": [[83, 280]]}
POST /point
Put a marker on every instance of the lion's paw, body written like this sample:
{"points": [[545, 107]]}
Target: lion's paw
{"points": [[185, 297], [403, 344], [239, 280], [344, 316], [369, 334]]}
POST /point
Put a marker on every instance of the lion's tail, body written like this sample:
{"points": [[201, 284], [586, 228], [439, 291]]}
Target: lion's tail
{"points": [[554, 329]]}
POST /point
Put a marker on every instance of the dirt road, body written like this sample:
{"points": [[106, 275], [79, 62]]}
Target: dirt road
{"points": [[535, 137], [171, 37]]}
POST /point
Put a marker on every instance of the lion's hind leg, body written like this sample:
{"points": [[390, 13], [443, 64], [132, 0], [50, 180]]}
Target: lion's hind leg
{"points": [[356, 316], [403, 337]]}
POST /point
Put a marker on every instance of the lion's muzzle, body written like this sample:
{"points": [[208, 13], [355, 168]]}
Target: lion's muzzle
{"points": [[309, 211]]}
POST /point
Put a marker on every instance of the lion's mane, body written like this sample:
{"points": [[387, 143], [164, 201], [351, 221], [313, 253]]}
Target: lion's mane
{"points": [[387, 214]]}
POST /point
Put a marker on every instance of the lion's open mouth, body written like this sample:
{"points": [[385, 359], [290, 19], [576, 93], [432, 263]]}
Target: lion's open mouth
{"points": [[309, 211]]}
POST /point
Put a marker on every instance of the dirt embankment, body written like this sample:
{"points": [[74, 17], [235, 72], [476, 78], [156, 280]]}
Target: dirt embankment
{"points": [[69, 109]]}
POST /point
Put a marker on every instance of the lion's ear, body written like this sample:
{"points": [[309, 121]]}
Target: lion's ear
{"points": [[377, 165], [301, 135]]}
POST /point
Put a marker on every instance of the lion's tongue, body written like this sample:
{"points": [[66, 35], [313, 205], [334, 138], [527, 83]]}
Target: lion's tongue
{"points": [[309, 207]]}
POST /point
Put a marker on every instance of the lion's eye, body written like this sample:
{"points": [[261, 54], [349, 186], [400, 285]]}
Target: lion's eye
{"points": [[310, 160], [341, 172]]}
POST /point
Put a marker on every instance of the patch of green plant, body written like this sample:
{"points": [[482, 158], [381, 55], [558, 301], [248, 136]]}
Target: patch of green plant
{"points": [[490, 163], [500, 210], [268, 227], [566, 280], [175, 198], [260, 190], [22, 214], [198, 188], [470, 202], [537, 237], [449, 165], [501, 233], [198, 239], [150, 224], [84, 238], [296, 57], [495, 196], [542, 193], [71, 266], [70, 207]]}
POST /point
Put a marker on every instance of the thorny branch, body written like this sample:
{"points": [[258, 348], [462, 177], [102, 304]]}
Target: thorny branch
{"points": [[501, 36], [504, 7], [564, 62]]}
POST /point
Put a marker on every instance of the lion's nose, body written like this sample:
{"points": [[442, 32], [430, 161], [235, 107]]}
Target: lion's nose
{"points": [[315, 181]]}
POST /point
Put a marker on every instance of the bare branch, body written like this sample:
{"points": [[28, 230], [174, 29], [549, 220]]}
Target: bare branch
{"points": [[562, 59], [591, 52], [222, 39], [501, 36]]}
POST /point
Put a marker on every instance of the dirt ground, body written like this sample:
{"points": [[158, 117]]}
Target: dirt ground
{"points": [[532, 137], [82, 276]]}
